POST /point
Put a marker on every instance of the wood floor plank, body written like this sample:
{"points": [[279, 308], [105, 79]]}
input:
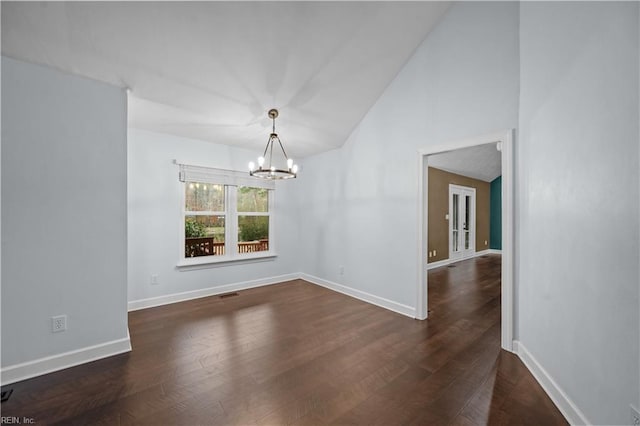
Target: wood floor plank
{"points": [[295, 353]]}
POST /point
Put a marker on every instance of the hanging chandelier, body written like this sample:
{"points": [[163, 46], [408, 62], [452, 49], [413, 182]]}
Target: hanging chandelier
{"points": [[278, 166]]}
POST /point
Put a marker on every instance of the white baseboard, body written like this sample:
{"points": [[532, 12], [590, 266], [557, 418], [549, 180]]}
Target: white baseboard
{"points": [[135, 305], [566, 406], [439, 263], [445, 262], [409, 311], [38, 367]]}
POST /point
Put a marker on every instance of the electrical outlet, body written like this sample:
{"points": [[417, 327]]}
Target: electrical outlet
{"points": [[154, 279], [58, 323], [435, 253], [429, 253], [485, 242], [635, 416], [341, 270]]}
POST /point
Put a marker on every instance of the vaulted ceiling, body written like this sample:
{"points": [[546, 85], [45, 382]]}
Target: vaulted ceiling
{"points": [[211, 70]]}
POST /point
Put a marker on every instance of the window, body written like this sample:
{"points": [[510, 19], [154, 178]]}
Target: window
{"points": [[226, 216], [204, 219], [253, 219]]}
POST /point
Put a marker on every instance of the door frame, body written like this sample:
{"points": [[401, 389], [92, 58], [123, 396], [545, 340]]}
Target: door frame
{"points": [[505, 140], [472, 226]]}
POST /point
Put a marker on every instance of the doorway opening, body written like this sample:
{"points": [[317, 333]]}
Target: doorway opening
{"points": [[503, 142]]}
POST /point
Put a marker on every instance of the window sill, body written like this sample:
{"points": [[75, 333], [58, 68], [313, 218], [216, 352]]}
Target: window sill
{"points": [[218, 261]]}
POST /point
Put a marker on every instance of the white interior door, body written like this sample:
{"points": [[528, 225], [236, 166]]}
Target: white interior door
{"points": [[462, 222]]}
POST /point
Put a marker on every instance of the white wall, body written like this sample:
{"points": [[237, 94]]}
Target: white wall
{"points": [[154, 215], [359, 203], [63, 212], [579, 169]]}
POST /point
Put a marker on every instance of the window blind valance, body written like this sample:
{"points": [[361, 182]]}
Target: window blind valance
{"points": [[192, 173]]}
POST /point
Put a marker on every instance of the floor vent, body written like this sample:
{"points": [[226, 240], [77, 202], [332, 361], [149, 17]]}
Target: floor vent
{"points": [[6, 394], [451, 266], [484, 256], [224, 296]]}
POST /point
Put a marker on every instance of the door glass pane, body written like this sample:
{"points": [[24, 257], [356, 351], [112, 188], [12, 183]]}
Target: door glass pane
{"points": [[455, 211], [204, 236], [467, 220], [454, 239], [454, 223], [467, 203]]}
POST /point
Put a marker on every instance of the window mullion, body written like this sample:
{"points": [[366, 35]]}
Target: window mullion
{"points": [[232, 218]]}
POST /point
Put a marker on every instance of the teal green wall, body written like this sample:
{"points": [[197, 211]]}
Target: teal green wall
{"points": [[495, 220]]}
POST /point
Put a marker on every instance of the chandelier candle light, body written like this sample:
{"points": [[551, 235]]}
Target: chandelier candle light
{"points": [[271, 170]]}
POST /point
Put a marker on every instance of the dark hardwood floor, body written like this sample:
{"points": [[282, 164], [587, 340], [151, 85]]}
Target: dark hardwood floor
{"points": [[296, 353]]}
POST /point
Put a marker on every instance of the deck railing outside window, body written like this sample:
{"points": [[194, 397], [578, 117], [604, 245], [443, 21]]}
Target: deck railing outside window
{"points": [[195, 247]]}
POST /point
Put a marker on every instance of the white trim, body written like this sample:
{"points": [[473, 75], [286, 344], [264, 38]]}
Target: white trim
{"points": [[506, 139], [486, 251], [422, 294], [567, 407], [49, 364], [439, 263], [471, 251], [231, 215], [203, 262], [195, 173], [361, 295], [445, 262], [508, 235], [466, 143], [135, 305]]}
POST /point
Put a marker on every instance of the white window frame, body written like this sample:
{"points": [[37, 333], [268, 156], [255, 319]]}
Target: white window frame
{"points": [[230, 180]]}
